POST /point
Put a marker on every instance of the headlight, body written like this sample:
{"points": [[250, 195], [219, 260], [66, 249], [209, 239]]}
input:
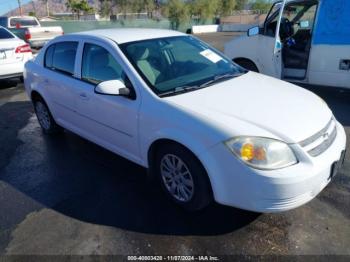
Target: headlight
{"points": [[262, 153]]}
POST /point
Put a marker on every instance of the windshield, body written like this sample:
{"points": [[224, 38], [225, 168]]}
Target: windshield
{"points": [[169, 64]]}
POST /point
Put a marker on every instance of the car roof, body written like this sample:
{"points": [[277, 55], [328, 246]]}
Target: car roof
{"points": [[125, 35]]}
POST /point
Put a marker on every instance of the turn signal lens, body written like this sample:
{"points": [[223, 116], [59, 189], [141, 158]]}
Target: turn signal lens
{"points": [[247, 152]]}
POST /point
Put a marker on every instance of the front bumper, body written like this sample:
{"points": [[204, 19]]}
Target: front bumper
{"points": [[235, 184]]}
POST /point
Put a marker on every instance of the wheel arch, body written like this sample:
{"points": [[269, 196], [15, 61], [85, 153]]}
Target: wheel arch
{"points": [[35, 95], [152, 151], [237, 60], [162, 141]]}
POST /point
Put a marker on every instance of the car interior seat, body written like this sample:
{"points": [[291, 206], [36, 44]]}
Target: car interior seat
{"points": [[141, 55], [297, 56], [100, 68]]}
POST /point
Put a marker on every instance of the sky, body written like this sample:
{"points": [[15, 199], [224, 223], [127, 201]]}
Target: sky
{"points": [[7, 5]]}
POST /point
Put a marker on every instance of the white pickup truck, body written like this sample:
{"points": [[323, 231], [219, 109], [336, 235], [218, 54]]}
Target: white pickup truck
{"points": [[29, 29], [304, 41]]}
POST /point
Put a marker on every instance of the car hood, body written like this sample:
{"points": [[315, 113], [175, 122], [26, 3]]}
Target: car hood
{"points": [[289, 112]]}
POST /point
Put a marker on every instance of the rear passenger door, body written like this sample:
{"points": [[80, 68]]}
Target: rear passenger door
{"points": [[111, 121], [59, 81]]}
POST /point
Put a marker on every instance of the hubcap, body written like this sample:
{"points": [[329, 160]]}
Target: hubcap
{"points": [[43, 115], [177, 178]]}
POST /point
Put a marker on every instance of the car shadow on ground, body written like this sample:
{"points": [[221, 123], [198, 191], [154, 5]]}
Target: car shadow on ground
{"points": [[81, 180], [8, 83]]}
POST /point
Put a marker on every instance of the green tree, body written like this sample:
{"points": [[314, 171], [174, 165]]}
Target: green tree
{"points": [[105, 8], [240, 4], [122, 6], [139, 6], [79, 6], [263, 5], [226, 7], [204, 9], [149, 7], [177, 12]]}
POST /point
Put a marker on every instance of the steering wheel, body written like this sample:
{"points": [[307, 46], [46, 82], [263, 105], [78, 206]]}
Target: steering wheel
{"points": [[287, 29]]}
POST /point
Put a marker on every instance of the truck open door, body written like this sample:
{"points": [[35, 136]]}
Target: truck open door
{"points": [[277, 51], [269, 45]]}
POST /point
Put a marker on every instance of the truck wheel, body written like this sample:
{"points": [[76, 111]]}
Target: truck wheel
{"points": [[247, 64], [46, 121], [183, 177]]}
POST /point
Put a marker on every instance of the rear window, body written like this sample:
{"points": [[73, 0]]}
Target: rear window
{"points": [[4, 34], [61, 57], [23, 22]]}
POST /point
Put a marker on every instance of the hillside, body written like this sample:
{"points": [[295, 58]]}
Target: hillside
{"points": [[39, 7]]}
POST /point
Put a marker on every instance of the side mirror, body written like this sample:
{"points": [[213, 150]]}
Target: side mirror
{"points": [[253, 31], [112, 88]]}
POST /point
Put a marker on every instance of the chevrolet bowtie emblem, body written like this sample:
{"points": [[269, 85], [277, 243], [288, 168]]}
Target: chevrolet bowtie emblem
{"points": [[325, 136]]}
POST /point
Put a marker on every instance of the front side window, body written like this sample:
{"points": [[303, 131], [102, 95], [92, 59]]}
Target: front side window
{"points": [[98, 65], [61, 57], [174, 63]]}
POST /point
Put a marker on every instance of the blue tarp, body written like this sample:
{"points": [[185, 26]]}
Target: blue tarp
{"points": [[333, 23]]}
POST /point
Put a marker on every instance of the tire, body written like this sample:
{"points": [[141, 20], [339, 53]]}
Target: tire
{"points": [[187, 186], [45, 119], [249, 65]]}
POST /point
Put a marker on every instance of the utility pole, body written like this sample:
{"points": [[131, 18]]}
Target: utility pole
{"points": [[34, 9], [47, 8], [20, 7]]}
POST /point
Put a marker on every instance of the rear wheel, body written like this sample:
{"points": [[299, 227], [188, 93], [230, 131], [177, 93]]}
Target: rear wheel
{"points": [[46, 121], [247, 64], [183, 177]]}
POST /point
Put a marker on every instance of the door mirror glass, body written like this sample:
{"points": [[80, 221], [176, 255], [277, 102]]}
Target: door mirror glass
{"points": [[112, 88], [304, 24], [253, 31]]}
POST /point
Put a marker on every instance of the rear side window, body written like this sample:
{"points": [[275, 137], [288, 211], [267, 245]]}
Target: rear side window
{"points": [[49, 56], [4, 34], [61, 57]]}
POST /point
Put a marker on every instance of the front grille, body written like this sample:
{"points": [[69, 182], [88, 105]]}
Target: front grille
{"points": [[321, 141]]}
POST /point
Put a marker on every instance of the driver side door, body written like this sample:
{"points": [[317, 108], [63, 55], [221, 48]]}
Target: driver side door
{"points": [[108, 120]]}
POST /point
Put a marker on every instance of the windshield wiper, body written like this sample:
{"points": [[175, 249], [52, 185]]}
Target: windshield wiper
{"points": [[179, 90], [219, 78]]}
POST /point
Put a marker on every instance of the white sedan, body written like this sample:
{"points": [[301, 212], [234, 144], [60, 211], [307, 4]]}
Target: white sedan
{"points": [[14, 53], [205, 127]]}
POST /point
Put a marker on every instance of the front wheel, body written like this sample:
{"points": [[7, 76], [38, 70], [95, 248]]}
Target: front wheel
{"points": [[183, 177], [45, 118]]}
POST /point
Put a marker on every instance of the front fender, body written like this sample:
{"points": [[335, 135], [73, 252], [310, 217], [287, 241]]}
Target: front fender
{"points": [[243, 47], [187, 140]]}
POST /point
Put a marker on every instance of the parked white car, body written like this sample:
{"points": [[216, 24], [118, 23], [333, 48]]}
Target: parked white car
{"points": [[204, 126], [14, 53], [300, 41]]}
